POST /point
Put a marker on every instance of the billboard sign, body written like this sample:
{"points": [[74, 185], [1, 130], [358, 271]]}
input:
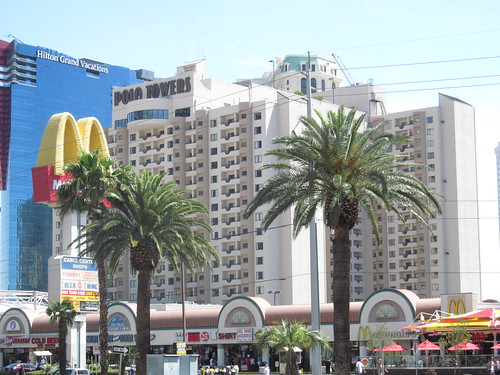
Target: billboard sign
{"points": [[79, 282]]}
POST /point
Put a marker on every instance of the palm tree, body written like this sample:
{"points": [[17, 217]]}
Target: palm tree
{"points": [[334, 166], [153, 220], [290, 335], [88, 192], [63, 313]]}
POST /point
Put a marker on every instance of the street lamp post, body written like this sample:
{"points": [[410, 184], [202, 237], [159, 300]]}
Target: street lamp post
{"points": [[272, 83], [313, 244]]}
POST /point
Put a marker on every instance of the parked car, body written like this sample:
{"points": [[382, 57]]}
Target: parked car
{"points": [[15, 367]]}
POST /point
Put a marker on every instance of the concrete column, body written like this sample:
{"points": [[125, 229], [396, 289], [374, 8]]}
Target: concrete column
{"points": [[77, 342], [363, 352], [265, 356], [220, 355]]}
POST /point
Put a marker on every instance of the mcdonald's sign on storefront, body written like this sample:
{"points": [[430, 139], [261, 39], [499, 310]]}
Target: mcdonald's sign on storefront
{"points": [[456, 306], [63, 140], [364, 333]]}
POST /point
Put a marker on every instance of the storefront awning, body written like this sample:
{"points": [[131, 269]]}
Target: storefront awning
{"points": [[42, 353]]}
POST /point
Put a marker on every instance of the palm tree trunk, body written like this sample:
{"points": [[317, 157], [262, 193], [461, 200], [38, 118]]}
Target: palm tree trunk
{"points": [[62, 347], [143, 318], [103, 317], [340, 296]]}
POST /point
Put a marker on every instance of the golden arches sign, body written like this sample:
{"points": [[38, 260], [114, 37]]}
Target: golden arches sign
{"points": [[364, 333], [63, 140], [456, 307]]}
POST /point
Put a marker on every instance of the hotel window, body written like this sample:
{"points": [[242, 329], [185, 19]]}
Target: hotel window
{"points": [[260, 260], [132, 163], [133, 296], [430, 143], [257, 144], [391, 230], [214, 207], [214, 193], [213, 179], [58, 224], [259, 216], [257, 116], [313, 84], [133, 283], [58, 237], [258, 158], [392, 277], [183, 112], [429, 119], [392, 254], [392, 242], [259, 245], [213, 137], [215, 278], [215, 292], [303, 87], [435, 287], [259, 290], [213, 165], [257, 130], [258, 173], [392, 266], [430, 155], [133, 137], [213, 151], [215, 221], [259, 275], [133, 150], [430, 131], [170, 144], [257, 187]]}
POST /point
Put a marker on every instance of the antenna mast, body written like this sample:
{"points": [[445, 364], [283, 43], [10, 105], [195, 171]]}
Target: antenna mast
{"points": [[344, 69]]}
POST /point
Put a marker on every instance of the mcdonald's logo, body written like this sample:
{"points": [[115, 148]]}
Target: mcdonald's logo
{"points": [[63, 140], [364, 333], [456, 306]]}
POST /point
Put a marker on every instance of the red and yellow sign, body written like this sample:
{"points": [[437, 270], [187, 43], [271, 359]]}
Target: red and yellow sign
{"points": [[62, 142]]}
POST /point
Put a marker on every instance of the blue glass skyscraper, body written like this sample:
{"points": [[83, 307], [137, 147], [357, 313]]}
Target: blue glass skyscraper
{"points": [[35, 83]]}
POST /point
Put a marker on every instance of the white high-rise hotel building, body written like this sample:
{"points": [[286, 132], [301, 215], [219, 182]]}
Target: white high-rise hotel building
{"points": [[211, 137]]}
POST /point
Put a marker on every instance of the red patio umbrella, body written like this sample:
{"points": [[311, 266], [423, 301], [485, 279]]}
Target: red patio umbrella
{"points": [[427, 345], [464, 346], [391, 348]]}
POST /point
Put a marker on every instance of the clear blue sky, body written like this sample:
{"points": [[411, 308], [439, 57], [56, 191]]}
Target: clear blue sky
{"points": [[239, 38]]}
